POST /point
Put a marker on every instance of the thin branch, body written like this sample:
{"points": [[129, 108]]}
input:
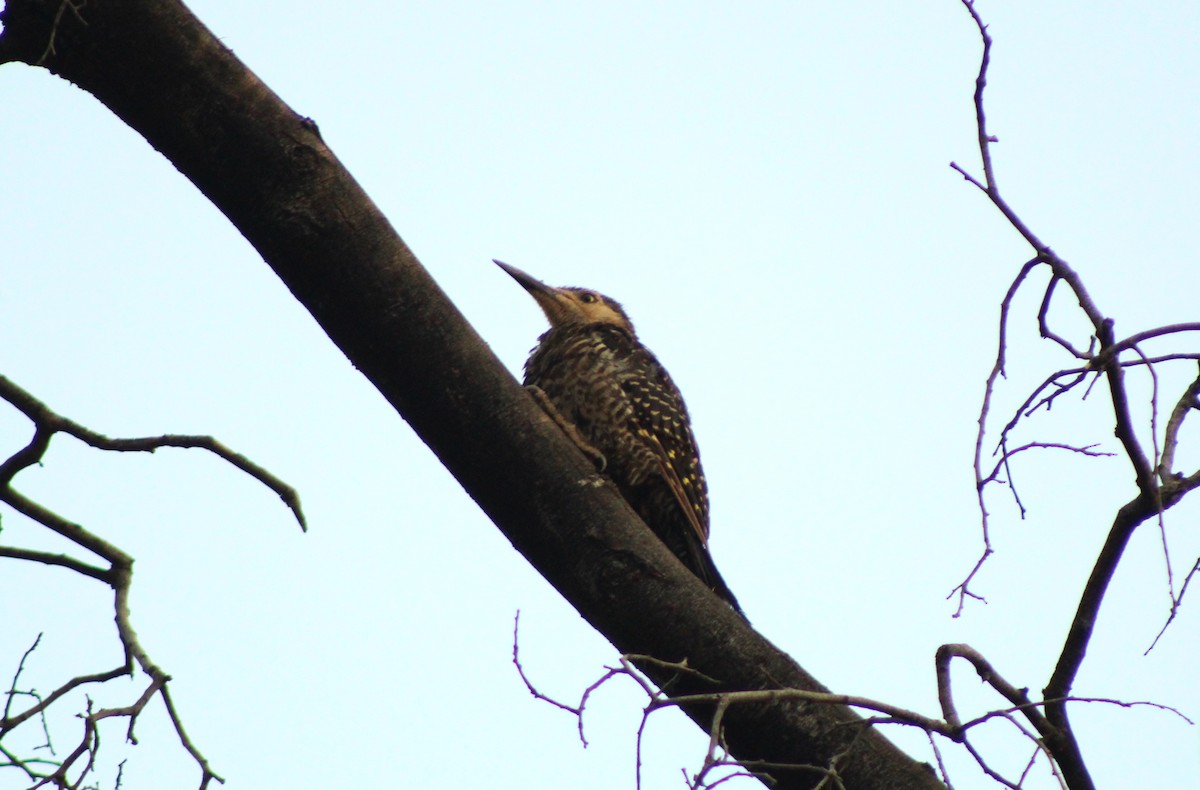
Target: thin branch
{"points": [[1032, 403], [7, 724], [987, 769], [941, 764], [61, 560], [575, 710], [49, 422], [986, 139], [894, 713], [1131, 363], [63, 7], [1134, 339], [1125, 431], [24, 764], [1176, 603], [1032, 761], [1161, 518], [998, 370], [681, 667], [1028, 407], [1044, 733], [12, 688], [207, 774], [118, 576], [1019, 698], [1158, 487], [1088, 450], [67, 529], [1049, 334], [1189, 400]]}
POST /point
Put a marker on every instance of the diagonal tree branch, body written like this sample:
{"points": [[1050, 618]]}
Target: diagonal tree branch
{"points": [[266, 168]]}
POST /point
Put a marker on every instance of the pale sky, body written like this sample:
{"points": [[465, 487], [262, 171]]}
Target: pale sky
{"points": [[766, 189]]}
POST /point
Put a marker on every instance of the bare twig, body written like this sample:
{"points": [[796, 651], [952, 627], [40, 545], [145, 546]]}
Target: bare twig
{"points": [[682, 667], [1184, 406], [10, 723], [1176, 602], [12, 688], [950, 727], [118, 575], [1049, 334], [998, 370], [1158, 488], [49, 422], [1133, 340], [63, 7], [575, 710], [61, 560], [988, 186], [1088, 450], [941, 764]]}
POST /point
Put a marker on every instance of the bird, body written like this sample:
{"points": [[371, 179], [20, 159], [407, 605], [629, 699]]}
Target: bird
{"points": [[619, 400]]}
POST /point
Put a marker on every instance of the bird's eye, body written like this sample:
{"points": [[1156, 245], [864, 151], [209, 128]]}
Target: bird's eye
{"points": [[587, 297]]}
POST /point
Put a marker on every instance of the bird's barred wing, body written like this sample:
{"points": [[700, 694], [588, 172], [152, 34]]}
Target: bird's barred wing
{"points": [[662, 422]]}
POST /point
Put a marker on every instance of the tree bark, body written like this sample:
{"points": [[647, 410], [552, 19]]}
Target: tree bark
{"points": [[164, 74]]}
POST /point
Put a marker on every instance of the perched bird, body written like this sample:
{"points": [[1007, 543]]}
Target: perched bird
{"points": [[622, 403]]}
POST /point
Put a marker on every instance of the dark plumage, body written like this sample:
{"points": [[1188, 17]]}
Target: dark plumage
{"points": [[623, 403]]}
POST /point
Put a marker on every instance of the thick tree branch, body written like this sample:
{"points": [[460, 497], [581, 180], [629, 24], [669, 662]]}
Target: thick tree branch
{"points": [[266, 168]]}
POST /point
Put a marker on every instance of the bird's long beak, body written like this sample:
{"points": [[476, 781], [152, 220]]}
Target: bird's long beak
{"points": [[530, 283], [557, 309]]}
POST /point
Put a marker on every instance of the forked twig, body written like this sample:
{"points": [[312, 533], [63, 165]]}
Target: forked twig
{"points": [[116, 571], [1158, 488]]}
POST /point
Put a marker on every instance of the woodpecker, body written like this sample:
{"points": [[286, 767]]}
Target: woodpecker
{"points": [[618, 397]]}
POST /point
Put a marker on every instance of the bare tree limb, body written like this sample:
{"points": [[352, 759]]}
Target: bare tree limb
{"points": [[118, 575], [1103, 356], [950, 726], [1176, 602], [267, 169], [1188, 401], [49, 422], [61, 560]]}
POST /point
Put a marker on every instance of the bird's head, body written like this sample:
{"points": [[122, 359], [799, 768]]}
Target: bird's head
{"points": [[571, 306]]}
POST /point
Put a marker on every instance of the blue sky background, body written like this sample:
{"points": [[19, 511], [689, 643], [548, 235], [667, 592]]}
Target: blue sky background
{"points": [[766, 188]]}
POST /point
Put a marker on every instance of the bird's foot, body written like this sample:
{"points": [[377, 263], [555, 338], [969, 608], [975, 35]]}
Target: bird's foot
{"points": [[568, 427]]}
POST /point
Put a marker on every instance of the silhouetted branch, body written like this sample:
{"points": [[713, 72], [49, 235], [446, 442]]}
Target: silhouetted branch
{"points": [[264, 166], [61, 560], [1157, 487], [988, 186], [1188, 401], [950, 726], [48, 423], [998, 370], [1176, 602], [118, 575]]}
